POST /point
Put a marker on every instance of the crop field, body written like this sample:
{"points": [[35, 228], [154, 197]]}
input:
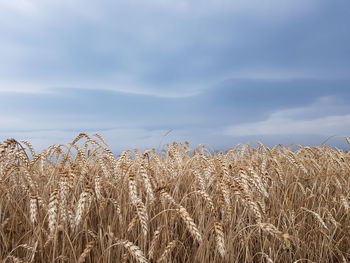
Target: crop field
{"points": [[80, 203]]}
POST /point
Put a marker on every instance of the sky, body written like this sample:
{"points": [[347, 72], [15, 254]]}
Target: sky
{"points": [[212, 72]]}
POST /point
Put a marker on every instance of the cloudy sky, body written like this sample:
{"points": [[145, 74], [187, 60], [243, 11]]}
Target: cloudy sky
{"points": [[215, 72]]}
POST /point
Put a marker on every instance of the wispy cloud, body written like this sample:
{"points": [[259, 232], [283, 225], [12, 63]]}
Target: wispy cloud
{"points": [[315, 119]]}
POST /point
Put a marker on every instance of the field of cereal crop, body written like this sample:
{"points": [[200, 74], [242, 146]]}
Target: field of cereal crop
{"points": [[81, 203]]}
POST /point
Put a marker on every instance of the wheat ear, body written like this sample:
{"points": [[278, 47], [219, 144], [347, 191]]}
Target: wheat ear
{"points": [[219, 236], [86, 252], [134, 251]]}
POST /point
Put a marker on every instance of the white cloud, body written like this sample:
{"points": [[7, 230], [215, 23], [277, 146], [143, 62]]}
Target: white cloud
{"points": [[169, 91], [24, 88], [298, 121], [21, 7], [330, 125]]}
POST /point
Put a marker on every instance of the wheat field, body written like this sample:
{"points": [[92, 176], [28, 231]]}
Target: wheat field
{"points": [[80, 203]]}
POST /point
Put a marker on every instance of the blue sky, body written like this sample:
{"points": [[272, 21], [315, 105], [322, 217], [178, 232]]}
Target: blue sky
{"points": [[217, 73]]}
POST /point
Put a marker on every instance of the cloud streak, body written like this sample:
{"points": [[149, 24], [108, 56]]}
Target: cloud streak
{"points": [[315, 119]]}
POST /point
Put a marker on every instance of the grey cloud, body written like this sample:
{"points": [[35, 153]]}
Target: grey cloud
{"points": [[159, 48], [242, 107], [198, 67]]}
